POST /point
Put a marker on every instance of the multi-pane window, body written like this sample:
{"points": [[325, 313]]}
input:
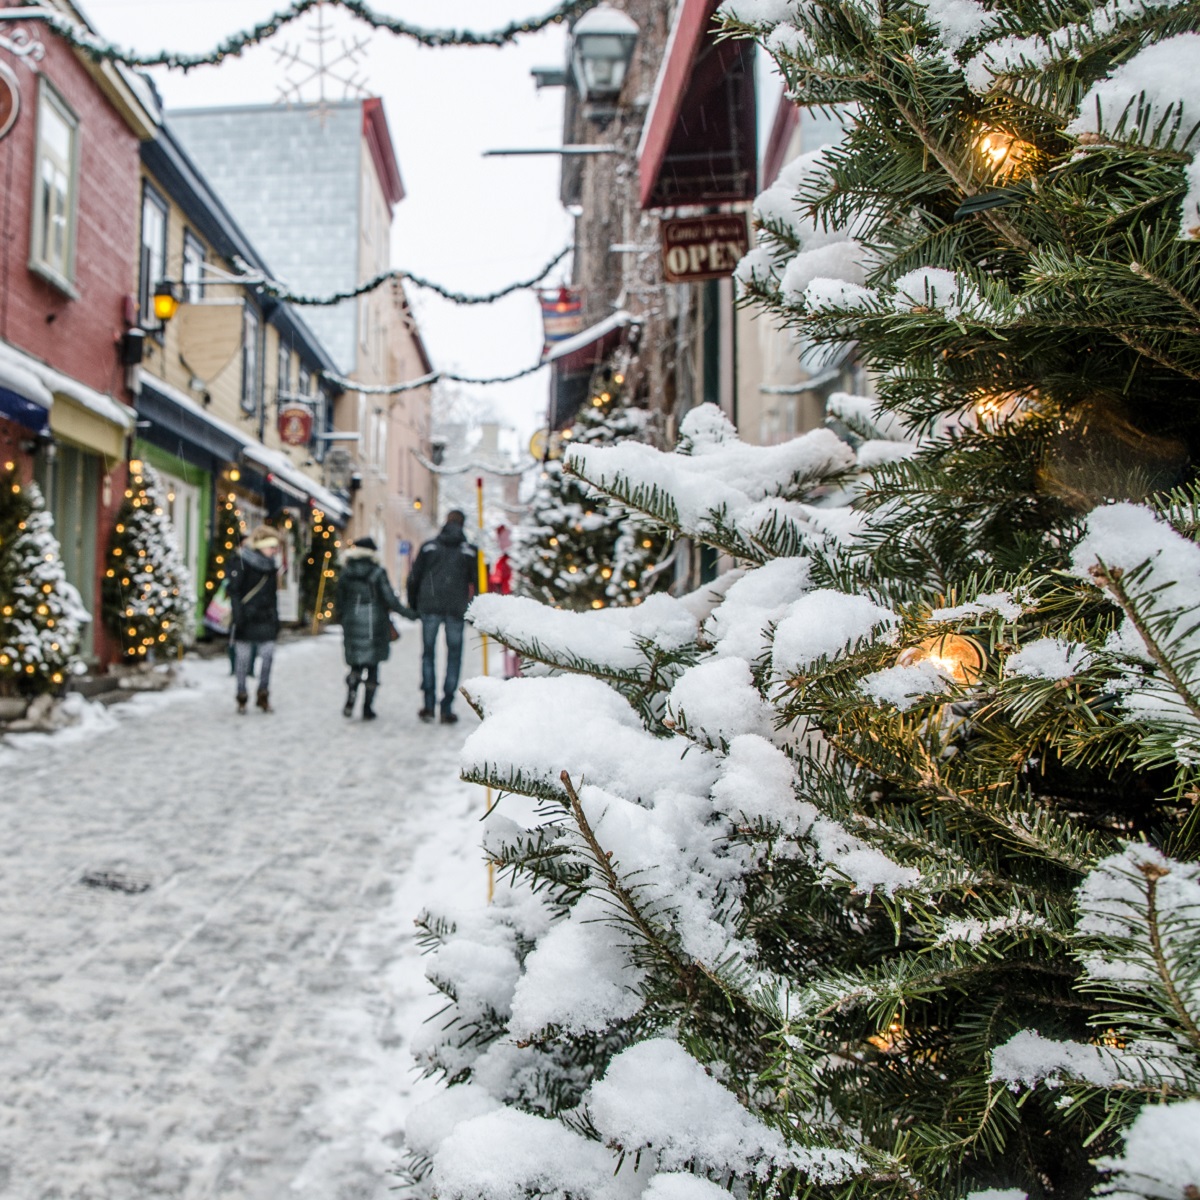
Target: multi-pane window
{"points": [[153, 261], [304, 383], [194, 257], [55, 188], [249, 360]]}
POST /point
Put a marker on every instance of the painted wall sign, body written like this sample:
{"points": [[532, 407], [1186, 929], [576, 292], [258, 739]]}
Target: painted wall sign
{"points": [[10, 99], [699, 248]]}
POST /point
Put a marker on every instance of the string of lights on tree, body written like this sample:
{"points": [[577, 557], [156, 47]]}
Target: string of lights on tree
{"points": [[101, 50], [574, 552], [231, 530], [280, 291], [145, 598], [318, 572], [41, 614]]}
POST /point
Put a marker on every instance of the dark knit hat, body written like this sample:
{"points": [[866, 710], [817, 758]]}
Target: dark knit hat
{"points": [[365, 543], [455, 517]]}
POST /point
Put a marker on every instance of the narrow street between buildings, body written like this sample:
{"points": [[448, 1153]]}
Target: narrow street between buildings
{"points": [[208, 973]]}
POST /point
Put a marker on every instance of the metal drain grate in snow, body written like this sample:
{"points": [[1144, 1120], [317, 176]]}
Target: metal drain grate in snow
{"points": [[114, 881]]}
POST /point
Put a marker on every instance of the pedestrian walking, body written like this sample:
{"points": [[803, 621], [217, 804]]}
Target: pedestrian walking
{"points": [[364, 603], [254, 594], [440, 586]]}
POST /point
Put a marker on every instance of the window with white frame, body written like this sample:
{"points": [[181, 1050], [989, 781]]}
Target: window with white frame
{"points": [[194, 257], [283, 370], [250, 390], [55, 188], [152, 263]]}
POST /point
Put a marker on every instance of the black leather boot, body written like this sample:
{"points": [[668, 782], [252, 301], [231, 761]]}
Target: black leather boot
{"points": [[368, 701]]}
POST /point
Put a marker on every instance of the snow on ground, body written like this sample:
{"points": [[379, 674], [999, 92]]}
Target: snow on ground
{"points": [[239, 1029]]}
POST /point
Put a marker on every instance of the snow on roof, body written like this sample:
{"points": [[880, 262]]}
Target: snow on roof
{"points": [[45, 379], [587, 337]]}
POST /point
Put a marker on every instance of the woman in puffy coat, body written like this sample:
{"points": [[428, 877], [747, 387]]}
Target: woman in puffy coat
{"points": [[364, 601]]}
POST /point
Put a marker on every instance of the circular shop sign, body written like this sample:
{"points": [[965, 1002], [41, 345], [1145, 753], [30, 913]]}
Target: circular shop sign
{"points": [[10, 99]]}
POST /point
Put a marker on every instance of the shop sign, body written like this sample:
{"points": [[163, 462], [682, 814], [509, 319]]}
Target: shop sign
{"points": [[698, 248], [10, 99], [295, 424]]}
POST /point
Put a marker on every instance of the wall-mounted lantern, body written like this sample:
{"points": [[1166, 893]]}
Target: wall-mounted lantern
{"points": [[168, 296], [602, 44]]}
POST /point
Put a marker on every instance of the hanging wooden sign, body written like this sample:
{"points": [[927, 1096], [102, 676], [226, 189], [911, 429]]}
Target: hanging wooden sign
{"points": [[699, 248], [295, 423], [210, 335]]}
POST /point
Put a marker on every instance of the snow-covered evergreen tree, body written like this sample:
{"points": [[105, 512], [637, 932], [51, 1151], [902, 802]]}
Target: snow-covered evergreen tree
{"points": [[573, 552], [147, 588], [318, 572], [870, 869], [41, 614]]}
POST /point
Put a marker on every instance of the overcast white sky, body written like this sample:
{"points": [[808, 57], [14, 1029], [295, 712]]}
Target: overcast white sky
{"points": [[471, 223]]}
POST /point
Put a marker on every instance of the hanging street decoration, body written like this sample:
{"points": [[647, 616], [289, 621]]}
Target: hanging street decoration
{"points": [[325, 66], [101, 50], [280, 291]]}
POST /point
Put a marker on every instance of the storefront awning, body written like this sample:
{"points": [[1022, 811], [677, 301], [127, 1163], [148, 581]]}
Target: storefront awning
{"points": [[176, 413], [590, 346], [23, 397], [699, 143], [85, 416], [284, 474]]}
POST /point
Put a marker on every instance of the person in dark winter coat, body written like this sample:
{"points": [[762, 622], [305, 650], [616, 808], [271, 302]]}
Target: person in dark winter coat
{"points": [[440, 586], [254, 594], [364, 600]]}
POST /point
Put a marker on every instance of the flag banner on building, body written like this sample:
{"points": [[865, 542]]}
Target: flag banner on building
{"points": [[562, 314]]}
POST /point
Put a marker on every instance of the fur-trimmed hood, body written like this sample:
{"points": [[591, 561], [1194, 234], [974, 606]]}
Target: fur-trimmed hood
{"points": [[358, 552]]}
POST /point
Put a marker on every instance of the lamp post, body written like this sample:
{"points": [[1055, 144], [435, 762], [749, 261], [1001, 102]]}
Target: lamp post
{"points": [[602, 44]]}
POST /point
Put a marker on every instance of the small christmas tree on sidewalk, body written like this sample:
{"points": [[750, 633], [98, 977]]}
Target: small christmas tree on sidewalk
{"points": [[573, 551], [147, 594], [231, 528], [318, 572], [41, 614]]}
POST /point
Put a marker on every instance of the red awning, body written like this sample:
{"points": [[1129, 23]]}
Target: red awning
{"points": [[699, 143], [591, 346]]}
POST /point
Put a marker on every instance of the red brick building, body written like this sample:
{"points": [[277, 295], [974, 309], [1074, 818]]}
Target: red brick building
{"points": [[69, 136]]}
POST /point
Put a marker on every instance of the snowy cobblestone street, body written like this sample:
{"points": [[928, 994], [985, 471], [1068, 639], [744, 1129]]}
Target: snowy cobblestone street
{"points": [[240, 1028]]}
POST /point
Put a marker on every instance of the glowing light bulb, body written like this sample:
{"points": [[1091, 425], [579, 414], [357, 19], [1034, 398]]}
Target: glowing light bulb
{"points": [[962, 658]]}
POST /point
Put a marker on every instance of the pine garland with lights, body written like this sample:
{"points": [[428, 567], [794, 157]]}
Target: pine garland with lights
{"points": [[145, 599], [570, 549], [41, 614], [870, 872], [231, 529], [320, 561]]}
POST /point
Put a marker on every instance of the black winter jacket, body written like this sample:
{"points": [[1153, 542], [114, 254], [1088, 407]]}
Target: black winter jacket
{"points": [[364, 599], [444, 573], [253, 592]]}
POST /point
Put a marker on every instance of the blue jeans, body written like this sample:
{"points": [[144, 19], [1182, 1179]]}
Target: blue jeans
{"points": [[430, 623]]}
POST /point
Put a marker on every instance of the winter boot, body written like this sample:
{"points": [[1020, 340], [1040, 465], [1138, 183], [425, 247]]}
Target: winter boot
{"points": [[264, 702], [351, 695], [242, 699], [368, 701]]}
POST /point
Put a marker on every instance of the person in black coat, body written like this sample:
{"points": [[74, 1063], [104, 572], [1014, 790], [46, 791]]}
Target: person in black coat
{"points": [[440, 586], [364, 600], [254, 594]]}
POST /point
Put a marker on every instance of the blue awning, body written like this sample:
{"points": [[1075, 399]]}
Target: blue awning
{"points": [[24, 412], [24, 398]]}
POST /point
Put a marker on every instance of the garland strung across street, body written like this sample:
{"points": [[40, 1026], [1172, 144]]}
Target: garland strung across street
{"points": [[280, 291], [236, 43], [411, 385]]}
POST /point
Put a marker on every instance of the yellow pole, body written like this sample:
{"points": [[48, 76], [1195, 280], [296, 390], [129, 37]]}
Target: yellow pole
{"points": [[483, 587], [320, 595]]}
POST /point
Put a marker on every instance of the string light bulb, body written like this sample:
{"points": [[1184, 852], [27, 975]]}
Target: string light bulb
{"points": [[1004, 154], [962, 658]]}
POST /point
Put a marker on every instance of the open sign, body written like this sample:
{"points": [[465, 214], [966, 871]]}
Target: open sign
{"points": [[699, 248]]}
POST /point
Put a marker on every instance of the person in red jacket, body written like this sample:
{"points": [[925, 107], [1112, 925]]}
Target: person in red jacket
{"points": [[500, 579]]}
